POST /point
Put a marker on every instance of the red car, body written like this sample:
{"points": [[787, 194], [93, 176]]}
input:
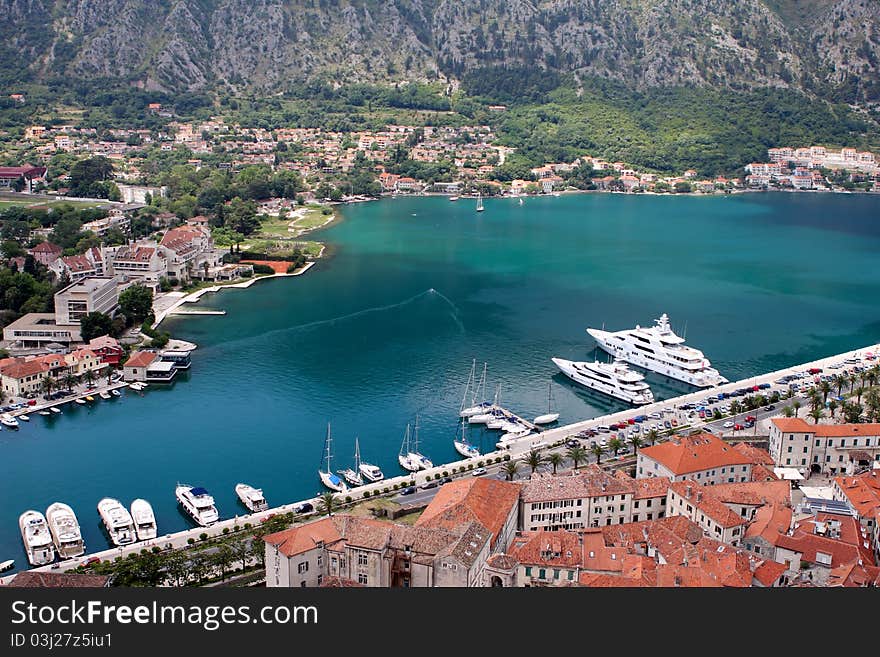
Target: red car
{"points": [[814, 370], [738, 427], [631, 421], [750, 418]]}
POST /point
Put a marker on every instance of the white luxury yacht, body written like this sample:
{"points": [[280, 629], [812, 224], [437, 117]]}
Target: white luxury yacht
{"points": [[198, 504], [36, 537], [117, 520], [660, 350], [65, 531], [144, 520], [251, 497], [614, 379]]}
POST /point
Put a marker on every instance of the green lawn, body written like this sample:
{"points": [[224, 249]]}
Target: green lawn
{"points": [[9, 203]]}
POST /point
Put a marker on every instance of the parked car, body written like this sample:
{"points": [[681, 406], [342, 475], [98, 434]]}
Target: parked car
{"points": [[304, 507], [409, 490], [446, 480], [429, 484], [749, 425], [728, 425], [667, 424], [750, 418], [738, 427], [769, 407], [478, 472]]}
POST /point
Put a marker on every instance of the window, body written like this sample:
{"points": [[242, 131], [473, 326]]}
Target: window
{"points": [[805, 449], [303, 584], [320, 559], [528, 571], [542, 573], [651, 516], [362, 559], [555, 573], [817, 442], [621, 507], [362, 578], [789, 449], [636, 504], [320, 579], [303, 567]]}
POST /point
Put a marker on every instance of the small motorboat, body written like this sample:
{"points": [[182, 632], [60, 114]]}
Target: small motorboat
{"points": [[6, 565], [55, 409], [80, 401], [115, 393], [44, 412], [8, 421], [24, 417], [89, 398], [104, 394]]}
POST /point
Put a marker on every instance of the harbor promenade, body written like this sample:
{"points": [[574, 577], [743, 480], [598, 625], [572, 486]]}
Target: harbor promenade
{"points": [[547, 438]]}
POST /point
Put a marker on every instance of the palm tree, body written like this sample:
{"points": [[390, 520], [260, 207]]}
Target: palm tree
{"points": [[555, 459], [652, 436], [735, 407], [825, 388], [816, 414], [47, 385], [636, 441], [788, 411], [69, 381], [796, 406], [577, 455], [815, 399], [598, 450], [852, 381], [872, 401], [327, 503], [859, 392], [534, 460], [839, 381], [614, 445], [873, 374], [223, 559], [89, 376], [832, 406], [510, 469]]}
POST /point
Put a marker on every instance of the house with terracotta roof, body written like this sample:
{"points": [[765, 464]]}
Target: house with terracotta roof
{"points": [[20, 377], [862, 493], [703, 458], [46, 253], [697, 503], [490, 502], [649, 496], [81, 361], [588, 497], [376, 553], [829, 448], [107, 349], [769, 523], [186, 249], [77, 267]]}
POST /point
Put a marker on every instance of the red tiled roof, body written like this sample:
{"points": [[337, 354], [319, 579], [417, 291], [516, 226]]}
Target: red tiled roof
{"points": [[22, 369], [487, 501], [770, 523], [589, 481], [862, 492], [762, 473], [551, 548], [809, 544], [798, 425], [768, 572], [140, 359], [46, 247], [703, 499], [854, 575], [754, 493], [756, 454], [686, 454], [77, 263], [302, 538]]}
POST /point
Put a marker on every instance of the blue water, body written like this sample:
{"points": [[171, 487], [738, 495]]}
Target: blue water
{"points": [[414, 291]]}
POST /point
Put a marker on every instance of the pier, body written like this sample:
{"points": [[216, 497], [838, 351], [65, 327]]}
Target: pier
{"points": [[196, 312], [514, 449]]}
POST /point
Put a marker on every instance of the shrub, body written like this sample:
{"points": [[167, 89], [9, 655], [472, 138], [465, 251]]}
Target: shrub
{"points": [[143, 552], [385, 490], [262, 269], [156, 549], [247, 525], [367, 494], [507, 457], [246, 273], [348, 499], [497, 459], [480, 464], [190, 540], [235, 528], [470, 466], [292, 267], [445, 473], [203, 536], [225, 530]]}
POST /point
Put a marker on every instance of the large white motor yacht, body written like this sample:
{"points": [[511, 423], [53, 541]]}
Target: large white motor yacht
{"points": [[36, 537], [660, 350], [197, 503], [613, 379], [251, 497], [144, 520], [117, 521], [65, 531]]}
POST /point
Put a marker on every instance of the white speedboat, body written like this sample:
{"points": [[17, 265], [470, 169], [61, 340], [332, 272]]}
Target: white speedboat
{"points": [[117, 521], [144, 520], [522, 432], [6, 565], [65, 531], [8, 421], [463, 447], [660, 350], [44, 412], [371, 472], [251, 497], [80, 401], [24, 417], [104, 394], [197, 503], [613, 379], [353, 475], [36, 538], [55, 409], [115, 393], [328, 477], [550, 415]]}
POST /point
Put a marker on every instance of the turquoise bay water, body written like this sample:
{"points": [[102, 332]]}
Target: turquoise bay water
{"points": [[418, 288]]}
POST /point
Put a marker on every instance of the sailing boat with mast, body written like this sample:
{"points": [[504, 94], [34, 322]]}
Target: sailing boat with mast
{"points": [[490, 412], [549, 416], [462, 446], [479, 202], [405, 456], [479, 390], [353, 475], [415, 456], [329, 479]]}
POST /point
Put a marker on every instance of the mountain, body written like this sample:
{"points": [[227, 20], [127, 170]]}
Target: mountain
{"points": [[826, 48]]}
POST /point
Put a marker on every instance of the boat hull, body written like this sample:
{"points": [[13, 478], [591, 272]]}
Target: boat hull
{"points": [[66, 536], [546, 419], [371, 475], [332, 482], [567, 368], [36, 538], [466, 450]]}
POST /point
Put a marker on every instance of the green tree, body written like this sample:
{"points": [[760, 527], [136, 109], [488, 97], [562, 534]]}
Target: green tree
{"points": [[852, 412], [614, 445], [95, 324], [577, 455], [222, 559], [652, 436], [69, 381], [825, 388], [47, 385], [795, 405], [555, 459], [598, 451], [136, 302], [816, 413], [636, 441], [534, 460], [327, 503], [510, 468]]}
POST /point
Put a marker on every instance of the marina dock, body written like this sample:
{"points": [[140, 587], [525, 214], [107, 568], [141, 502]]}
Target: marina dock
{"points": [[196, 312], [514, 449]]}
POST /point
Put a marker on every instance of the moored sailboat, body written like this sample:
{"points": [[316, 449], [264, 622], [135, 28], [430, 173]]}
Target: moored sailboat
{"points": [[463, 446], [328, 477], [353, 475], [550, 415]]}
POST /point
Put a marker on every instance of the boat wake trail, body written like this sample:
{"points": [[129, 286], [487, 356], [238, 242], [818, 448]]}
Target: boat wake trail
{"points": [[454, 313]]}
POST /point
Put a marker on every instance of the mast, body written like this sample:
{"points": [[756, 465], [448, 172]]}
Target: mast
{"points": [[549, 395], [468, 385], [481, 385], [327, 445], [357, 455], [415, 449], [404, 446]]}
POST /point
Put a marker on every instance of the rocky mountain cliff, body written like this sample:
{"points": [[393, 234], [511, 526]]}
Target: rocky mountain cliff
{"points": [[829, 48]]}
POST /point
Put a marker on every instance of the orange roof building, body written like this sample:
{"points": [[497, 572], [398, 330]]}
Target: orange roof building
{"points": [[704, 458], [833, 449]]}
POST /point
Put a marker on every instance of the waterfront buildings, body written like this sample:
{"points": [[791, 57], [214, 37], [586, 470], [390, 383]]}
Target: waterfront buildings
{"points": [[96, 294], [150, 367], [702, 457], [37, 330], [828, 448]]}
